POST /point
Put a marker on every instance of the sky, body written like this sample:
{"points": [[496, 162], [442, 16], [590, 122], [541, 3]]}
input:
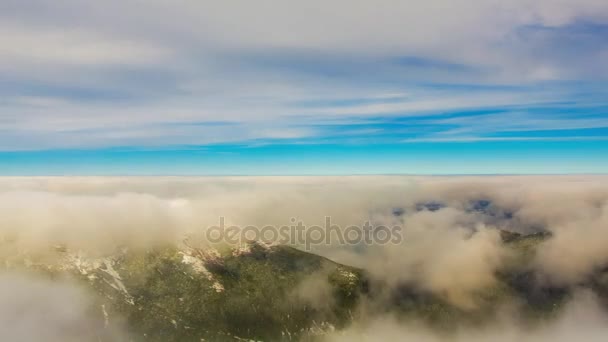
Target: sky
{"points": [[276, 87]]}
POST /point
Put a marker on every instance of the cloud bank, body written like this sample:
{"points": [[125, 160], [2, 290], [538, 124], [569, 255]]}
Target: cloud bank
{"points": [[452, 246], [462, 214]]}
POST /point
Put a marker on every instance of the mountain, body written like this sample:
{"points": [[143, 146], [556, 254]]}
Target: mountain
{"points": [[261, 292], [189, 294]]}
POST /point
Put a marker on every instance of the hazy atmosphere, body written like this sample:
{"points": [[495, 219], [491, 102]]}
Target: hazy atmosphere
{"points": [[310, 171], [303, 87], [453, 248]]}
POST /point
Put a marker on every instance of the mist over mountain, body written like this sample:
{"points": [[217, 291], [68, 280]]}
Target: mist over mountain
{"points": [[493, 258]]}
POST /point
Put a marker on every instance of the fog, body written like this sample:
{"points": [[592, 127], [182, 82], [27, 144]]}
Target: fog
{"points": [[582, 320], [450, 226], [33, 309]]}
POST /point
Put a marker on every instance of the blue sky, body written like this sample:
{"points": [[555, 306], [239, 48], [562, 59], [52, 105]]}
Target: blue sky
{"points": [[316, 87]]}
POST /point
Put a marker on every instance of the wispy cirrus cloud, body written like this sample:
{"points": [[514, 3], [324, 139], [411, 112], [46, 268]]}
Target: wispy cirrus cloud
{"points": [[117, 73], [494, 139]]}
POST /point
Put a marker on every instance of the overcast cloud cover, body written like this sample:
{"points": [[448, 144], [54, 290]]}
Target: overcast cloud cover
{"points": [[173, 73]]}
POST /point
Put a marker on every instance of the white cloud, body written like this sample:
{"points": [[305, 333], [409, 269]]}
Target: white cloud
{"points": [[452, 252], [123, 65], [65, 47]]}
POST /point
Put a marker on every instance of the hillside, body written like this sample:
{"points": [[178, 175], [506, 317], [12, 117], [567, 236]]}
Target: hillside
{"points": [[260, 292]]}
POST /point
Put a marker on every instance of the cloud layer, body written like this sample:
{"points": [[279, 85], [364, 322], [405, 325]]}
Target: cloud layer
{"points": [[452, 247], [123, 74], [103, 213]]}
